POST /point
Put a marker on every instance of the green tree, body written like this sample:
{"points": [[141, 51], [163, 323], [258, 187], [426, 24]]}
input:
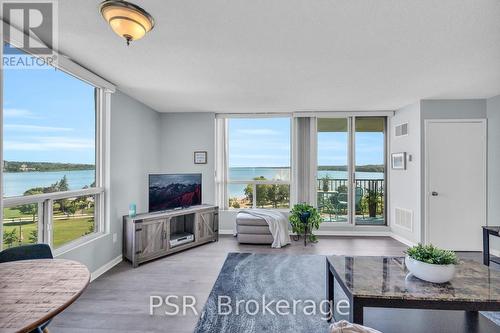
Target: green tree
{"points": [[10, 237], [277, 195], [31, 209], [261, 194], [62, 185], [33, 236], [72, 207], [233, 202]]}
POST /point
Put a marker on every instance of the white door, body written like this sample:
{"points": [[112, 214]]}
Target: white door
{"points": [[455, 183]]}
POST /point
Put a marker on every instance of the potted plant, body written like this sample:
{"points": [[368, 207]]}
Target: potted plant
{"points": [[326, 183], [304, 219], [372, 201], [430, 263]]}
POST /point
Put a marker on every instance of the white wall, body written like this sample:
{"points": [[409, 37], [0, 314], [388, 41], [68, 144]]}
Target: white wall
{"points": [[135, 147], [493, 112], [404, 185], [183, 134]]}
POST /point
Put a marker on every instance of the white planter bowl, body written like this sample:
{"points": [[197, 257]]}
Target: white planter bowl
{"points": [[430, 272]]}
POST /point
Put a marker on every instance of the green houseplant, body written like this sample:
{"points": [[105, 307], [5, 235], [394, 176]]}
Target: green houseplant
{"points": [[430, 263], [313, 221], [326, 183], [372, 201]]}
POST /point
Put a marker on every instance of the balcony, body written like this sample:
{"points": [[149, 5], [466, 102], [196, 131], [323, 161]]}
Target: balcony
{"points": [[369, 200]]}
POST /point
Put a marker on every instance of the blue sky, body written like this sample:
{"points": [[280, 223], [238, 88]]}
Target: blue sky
{"points": [[260, 142], [49, 116], [265, 142]]}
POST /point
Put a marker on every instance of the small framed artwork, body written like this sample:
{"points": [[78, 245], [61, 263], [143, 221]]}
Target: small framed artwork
{"points": [[200, 157], [398, 161]]}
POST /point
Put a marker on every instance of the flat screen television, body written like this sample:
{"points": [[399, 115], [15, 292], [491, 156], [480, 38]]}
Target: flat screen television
{"points": [[169, 191]]}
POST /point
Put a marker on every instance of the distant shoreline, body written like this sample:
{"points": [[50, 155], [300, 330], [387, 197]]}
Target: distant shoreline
{"points": [[23, 166]]}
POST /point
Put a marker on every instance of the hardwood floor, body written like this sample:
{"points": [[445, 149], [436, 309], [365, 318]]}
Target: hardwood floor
{"points": [[118, 301]]}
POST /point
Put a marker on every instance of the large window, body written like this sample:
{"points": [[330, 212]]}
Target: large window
{"points": [[258, 162], [52, 186], [351, 169]]}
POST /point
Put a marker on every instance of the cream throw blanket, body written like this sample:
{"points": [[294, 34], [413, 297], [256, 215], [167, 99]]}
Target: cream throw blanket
{"points": [[278, 225], [346, 327]]}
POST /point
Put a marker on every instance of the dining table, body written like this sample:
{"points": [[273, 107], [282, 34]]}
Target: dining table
{"points": [[35, 291]]}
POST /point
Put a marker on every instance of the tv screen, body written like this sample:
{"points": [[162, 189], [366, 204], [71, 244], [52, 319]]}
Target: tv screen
{"points": [[168, 191]]}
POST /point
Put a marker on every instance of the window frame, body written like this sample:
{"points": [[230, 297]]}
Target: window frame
{"points": [[102, 97], [254, 182]]}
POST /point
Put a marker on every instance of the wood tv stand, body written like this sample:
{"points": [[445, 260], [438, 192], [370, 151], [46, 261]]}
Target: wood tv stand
{"points": [[147, 236]]}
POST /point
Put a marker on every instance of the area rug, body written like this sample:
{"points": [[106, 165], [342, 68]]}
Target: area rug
{"points": [[252, 277]]}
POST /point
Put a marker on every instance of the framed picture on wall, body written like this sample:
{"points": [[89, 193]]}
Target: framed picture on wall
{"points": [[398, 161], [200, 157]]}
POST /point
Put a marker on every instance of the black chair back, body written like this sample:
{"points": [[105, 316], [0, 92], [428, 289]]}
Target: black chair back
{"points": [[26, 252]]}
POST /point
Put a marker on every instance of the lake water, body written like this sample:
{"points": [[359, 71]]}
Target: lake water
{"points": [[16, 183], [237, 190]]}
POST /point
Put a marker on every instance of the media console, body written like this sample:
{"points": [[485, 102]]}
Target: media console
{"points": [[152, 235]]}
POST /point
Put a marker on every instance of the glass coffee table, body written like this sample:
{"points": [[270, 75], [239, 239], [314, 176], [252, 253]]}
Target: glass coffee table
{"points": [[356, 283]]}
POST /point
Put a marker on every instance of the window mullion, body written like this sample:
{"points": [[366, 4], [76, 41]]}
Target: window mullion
{"points": [[47, 221], [40, 233], [254, 195]]}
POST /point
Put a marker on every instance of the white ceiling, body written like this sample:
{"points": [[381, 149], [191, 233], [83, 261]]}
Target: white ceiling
{"points": [[293, 55]]}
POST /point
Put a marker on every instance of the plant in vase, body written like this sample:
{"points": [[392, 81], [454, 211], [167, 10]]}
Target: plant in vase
{"points": [[372, 197], [305, 219], [431, 263], [326, 183]]}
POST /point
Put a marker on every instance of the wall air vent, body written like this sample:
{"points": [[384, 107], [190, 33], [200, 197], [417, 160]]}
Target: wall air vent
{"points": [[404, 218], [402, 130]]}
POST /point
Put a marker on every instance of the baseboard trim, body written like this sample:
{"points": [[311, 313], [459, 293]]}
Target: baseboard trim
{"points": [[226, 232], [106, 267], [402, 240], [352, 233], [333, 233]]}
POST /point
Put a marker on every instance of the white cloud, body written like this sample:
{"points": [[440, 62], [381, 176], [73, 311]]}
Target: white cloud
{"points": [[36, 128], [50, 143], [18, 113]]}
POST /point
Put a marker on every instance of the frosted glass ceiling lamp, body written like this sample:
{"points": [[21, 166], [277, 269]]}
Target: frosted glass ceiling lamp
{"points": [[126, 19]]}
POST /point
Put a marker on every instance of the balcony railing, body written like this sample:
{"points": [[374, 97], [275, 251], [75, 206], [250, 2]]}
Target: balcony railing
{"points": [[368, 199]]}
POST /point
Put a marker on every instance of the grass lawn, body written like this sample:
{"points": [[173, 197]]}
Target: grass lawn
{"points": [[65, 230], [9, 213]]}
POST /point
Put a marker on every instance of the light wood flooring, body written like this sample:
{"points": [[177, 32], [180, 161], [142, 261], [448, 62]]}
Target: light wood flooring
{"points": [[118, 301]]}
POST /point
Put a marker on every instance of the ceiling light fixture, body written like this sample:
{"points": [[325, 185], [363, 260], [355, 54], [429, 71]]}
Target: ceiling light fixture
{"points": [[126, 19]]}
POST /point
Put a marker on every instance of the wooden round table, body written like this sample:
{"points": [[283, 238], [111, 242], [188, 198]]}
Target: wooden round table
{"points": [[34, 291]]}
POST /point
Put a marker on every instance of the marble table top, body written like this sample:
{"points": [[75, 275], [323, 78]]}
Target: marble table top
{"points": [[388, 278], [494, 229]]}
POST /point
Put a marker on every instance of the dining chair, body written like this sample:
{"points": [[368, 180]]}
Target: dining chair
{"points": [[28, 252]]}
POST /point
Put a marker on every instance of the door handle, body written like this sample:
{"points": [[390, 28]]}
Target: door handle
{"points": [[434, 194]]}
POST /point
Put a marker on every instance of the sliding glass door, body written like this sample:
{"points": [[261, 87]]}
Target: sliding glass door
{"points": [[351, 170], [369, 153]]}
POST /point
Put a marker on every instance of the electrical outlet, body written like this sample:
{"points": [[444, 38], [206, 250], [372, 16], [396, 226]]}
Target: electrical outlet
{"points": [[115, 237]]}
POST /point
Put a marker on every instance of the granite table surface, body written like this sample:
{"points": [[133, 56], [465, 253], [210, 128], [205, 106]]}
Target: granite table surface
{"points": [[387, 277], [493, 229]]}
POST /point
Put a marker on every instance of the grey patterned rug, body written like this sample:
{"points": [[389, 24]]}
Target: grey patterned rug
{"points": [[246, 276], [249, 277]]}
